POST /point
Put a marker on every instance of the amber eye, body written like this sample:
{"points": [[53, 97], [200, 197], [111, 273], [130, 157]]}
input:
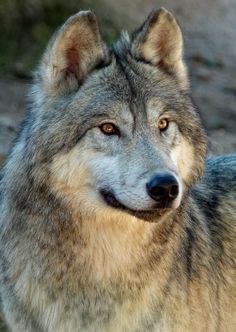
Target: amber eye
{"points": [[163, 124], [109, 129]]}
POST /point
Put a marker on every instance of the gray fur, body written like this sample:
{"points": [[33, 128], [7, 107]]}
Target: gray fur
{"points": [[64, 266]]}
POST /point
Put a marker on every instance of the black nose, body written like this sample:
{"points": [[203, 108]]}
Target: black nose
{"points": [[163, 187]]}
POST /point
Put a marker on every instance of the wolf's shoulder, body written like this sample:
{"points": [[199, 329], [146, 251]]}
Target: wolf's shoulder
{"points": [[217, 187], [214, 199], [215, 193], [226, 163], [219, 176], [215, 196]]}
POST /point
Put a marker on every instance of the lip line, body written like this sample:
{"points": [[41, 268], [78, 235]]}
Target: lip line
{"points": [[112, 201]]}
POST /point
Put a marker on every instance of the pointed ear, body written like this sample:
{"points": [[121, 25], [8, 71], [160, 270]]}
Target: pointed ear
{"points": [[159, 42], [72, 53]]}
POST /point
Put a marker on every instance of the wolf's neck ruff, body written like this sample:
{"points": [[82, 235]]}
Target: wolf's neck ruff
{"points": [[111, 243]]}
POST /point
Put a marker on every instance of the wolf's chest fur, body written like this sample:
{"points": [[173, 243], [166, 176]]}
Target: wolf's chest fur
{"points": [[107, 283], [119, 281]]}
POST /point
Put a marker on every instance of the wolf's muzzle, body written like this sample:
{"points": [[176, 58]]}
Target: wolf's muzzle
{"points": [[163, 188]]}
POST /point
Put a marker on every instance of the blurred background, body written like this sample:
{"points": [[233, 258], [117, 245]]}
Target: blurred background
{"points": [[209, 29]]}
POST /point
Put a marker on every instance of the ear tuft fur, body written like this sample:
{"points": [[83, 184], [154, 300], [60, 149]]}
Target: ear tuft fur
{"points": [[159, 42], [72, 53]]}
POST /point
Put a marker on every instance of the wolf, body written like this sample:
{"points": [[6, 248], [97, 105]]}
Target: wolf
{"points": [[113, 218]]}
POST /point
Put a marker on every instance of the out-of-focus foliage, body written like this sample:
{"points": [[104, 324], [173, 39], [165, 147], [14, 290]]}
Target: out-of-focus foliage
{"points": [[26, 26]]}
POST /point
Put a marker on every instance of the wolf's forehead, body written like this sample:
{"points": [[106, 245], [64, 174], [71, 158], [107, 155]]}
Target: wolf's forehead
{"points": [[119, 93], [126, 105], [118, 89]]}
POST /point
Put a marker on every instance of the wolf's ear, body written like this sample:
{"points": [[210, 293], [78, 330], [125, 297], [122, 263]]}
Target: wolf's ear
{"points": [[159, 42], [72, 53]]}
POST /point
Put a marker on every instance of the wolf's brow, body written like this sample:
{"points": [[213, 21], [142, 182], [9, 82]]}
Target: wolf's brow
{"points": [[124, 70]]}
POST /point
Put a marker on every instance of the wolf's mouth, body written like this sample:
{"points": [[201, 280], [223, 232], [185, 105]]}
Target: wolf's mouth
{"points": [[148, 215], [112, 201]]}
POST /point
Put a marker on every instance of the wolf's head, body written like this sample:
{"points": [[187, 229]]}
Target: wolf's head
{"points": [[114, 129]]}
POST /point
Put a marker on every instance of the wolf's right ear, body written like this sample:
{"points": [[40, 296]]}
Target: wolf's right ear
{"points": [[75, 50]]}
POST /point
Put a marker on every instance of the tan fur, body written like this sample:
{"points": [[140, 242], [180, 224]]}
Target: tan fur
{"points": [[72, 181], [184, 163]]}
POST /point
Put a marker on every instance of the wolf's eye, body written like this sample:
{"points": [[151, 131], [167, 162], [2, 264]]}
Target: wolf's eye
{"points": [[109, 129], [163, 124]]}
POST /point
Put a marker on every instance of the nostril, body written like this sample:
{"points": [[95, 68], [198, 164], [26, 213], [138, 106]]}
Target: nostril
{"points": [[174, 190], [158, 192]]}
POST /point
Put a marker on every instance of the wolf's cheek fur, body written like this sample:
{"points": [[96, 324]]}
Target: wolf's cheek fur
{"points": [[73, 180], [70, 176], [182, 156]]}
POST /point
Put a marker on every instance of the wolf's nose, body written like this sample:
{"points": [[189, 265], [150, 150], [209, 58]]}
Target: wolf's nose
{"points": [[163, 187]]}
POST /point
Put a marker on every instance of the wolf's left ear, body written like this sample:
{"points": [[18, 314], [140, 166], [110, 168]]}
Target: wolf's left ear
{"points": [[159, 42], [74, 51]]}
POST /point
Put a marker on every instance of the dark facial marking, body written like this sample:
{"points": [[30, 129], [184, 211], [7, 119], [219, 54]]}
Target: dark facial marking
{"points": [[149, 215]]}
